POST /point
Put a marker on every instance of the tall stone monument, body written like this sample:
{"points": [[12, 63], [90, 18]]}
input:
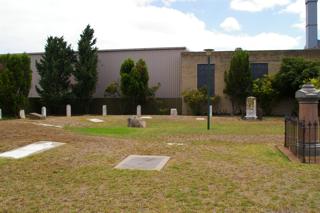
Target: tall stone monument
{"points": [[251, 108], [308, 145], [0, 114], [44, 111], [138, 110], [104, 110], [68, 109]]}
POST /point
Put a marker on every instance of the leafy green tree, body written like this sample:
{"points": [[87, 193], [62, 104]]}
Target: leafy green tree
{"points": [[134, 81], [238, 79], [264, 92], [15, 82], [294, 72], [85, 72], [125, 74], [55, 69]]}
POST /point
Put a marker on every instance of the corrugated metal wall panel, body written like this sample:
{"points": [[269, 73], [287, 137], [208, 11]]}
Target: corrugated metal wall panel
{"points": [[164, 66]]}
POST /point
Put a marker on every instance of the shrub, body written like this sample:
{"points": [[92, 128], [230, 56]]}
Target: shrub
{"points": [[262, 89], [135, 82], [197, 101], [15, 82], [113, 90]]}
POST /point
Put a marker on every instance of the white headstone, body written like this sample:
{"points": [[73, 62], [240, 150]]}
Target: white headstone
{"points": [[68, 110], [22, 114], [44, 111], [0, 114], [104, 110], [138, 110], [210, 111], [173, 112], [251, 108]]}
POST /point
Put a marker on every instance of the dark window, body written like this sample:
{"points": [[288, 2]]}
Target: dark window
{"points": [[259, 70], [202, 76]]}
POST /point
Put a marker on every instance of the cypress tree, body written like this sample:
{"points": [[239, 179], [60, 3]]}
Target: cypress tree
{"points": [[86, 67]]}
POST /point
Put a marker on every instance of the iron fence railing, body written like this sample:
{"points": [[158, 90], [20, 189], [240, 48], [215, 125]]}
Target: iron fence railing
{"points": [[302, 139]]}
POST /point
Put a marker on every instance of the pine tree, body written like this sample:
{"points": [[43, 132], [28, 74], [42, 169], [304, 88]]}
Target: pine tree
{"points": [[238, 80], [55, 69], [86, 67]]}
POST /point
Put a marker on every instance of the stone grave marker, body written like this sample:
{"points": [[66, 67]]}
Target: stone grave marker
{"points": [[44, 111], [22, 114], [138, 110], [173, 112], [104, 110], [210, 111], [30, 149], [251, 108], [136, 122], [68, 108], [143, 162], [0, 114]]}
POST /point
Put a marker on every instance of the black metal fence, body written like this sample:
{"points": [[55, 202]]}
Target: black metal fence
{"points": [[302, 139]]}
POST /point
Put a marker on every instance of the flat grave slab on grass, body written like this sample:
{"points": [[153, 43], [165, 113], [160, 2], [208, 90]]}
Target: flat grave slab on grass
{"points": [[30, 149], [146, 117], [200, 119], [48, 125], [95, 120], [143, 162]]}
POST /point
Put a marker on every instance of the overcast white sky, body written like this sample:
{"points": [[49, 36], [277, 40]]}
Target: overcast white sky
{"points": [[196, 24]]}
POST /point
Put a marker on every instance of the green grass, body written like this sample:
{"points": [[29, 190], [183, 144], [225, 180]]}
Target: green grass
{"points": [[159, 127], [227, 169]]}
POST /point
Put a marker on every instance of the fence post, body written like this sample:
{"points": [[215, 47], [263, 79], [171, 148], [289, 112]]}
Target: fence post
{"points": [[308, 98]]}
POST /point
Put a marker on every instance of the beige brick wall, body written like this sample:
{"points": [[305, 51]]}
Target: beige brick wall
{"points": [[190, 60]]}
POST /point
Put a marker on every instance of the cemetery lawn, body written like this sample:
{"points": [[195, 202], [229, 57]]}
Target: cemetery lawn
{"points": [[234, 167]]}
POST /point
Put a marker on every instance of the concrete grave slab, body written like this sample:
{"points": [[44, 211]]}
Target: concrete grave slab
{"points": [[200, 119], [143, 162], [146, 117], [95, 120], [48, 125], [175, 144], [30, 149]]}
